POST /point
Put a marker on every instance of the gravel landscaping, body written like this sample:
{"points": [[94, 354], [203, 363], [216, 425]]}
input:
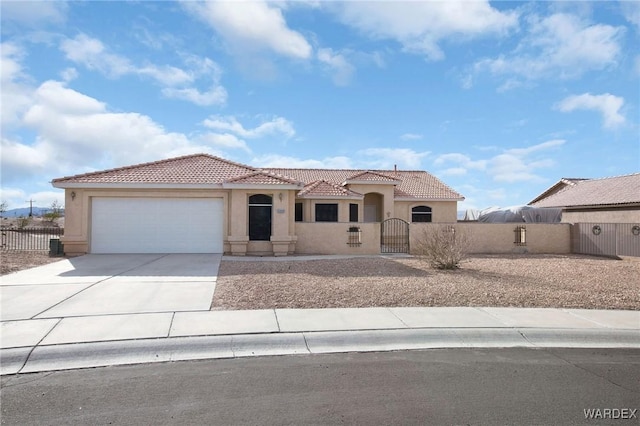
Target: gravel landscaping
{"points": [[13, 261], [548, 281]]}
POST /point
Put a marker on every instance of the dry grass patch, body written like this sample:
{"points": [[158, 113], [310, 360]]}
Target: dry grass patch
{"points": [[521, 281]]}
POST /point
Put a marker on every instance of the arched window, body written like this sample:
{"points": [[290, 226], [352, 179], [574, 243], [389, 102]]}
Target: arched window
{"points": [[260, 207], [421, 214]]}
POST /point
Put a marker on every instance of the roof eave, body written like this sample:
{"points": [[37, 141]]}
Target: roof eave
{"points": [[134, 185]]}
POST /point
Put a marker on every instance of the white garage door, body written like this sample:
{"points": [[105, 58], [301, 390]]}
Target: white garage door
{"points": [[156, 225]]}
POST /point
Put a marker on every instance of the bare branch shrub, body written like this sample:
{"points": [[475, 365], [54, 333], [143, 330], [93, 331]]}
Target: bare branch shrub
{"points": [[442, 246]]}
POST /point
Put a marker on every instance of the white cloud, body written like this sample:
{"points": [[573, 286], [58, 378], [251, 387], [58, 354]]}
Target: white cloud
{"points": [[69, 74], [216, 95], [411, 136], [253, 26], [558, 46], [631, 11], [15, 96], [224, 141], [281, 161], [34, 13], [421, 26], [606, 104], [461, 159], [276, 126], [75, 130], [387, 158], [338, 65], [180, 84], [512, 165]]}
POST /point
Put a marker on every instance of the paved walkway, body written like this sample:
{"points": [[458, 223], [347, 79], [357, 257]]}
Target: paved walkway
{"points": [[69, 335]]}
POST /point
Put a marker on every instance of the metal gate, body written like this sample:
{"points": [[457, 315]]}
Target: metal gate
{"points": [[608, 239], [394, 236]]}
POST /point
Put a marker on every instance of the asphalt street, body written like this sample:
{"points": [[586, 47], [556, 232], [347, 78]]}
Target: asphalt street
{"points": [[441, 386]]}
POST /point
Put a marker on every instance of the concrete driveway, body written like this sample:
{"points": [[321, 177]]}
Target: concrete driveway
{"points": [[110, 284]]}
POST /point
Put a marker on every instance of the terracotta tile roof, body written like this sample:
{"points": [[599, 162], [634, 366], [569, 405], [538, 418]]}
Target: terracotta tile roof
{"points": [[322, 188], [263, 178], [190, 169], [200, 169], [414, 184], [596, 192]]}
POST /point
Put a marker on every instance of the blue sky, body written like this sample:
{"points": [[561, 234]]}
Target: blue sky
{"points": [[498, 99]]}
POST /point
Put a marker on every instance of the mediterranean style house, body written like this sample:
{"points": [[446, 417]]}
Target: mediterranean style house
{"points": [[205, 204]]}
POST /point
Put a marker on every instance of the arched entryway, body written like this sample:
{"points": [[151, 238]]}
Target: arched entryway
{"points": [[373, 202]]}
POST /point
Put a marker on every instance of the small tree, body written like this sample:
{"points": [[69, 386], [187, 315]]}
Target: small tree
{"points": [[443, 246], [55, 211], [4, 205]]}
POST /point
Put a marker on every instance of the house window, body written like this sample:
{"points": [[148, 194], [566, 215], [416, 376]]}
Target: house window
{"points": [[326, 212], [353, 212], [421, 214], [299, 215], [260, 207]]}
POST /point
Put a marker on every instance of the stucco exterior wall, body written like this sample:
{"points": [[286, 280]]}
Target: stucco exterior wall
{"points": [[604, 216], [487, 238], [441, 211]]}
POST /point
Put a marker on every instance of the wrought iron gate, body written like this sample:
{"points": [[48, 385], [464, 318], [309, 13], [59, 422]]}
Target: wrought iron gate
{"points": [[394, 236]]}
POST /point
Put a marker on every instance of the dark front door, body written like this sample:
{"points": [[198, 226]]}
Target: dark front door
{"points": [[260, 207]]}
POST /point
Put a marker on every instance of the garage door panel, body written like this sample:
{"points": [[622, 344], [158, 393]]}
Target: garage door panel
{"points": [[156, 225]]}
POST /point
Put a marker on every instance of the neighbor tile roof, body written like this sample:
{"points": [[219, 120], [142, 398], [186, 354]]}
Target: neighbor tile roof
{"points": [[322, 188], [207, 169], [595, 192], [190, 169], [557, 187]]}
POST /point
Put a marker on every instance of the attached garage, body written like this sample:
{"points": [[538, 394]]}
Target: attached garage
{"points": [[156, 225]]}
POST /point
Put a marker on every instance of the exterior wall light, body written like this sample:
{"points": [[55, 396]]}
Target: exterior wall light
{"points": [[73, 195]]}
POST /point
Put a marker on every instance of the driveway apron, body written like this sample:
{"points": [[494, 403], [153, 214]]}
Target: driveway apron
{"points": [[111, 284]]}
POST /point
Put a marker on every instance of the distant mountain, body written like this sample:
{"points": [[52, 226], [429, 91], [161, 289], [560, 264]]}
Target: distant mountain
{"points": [[24, 212]]}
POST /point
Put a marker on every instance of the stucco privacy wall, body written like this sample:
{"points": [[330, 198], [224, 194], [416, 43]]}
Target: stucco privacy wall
{"points": [[488, 238], [76, 237], [333, 238], [496, 238]]}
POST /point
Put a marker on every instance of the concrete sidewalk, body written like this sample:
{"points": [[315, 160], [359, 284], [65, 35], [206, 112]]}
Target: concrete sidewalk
{"points": [[46, 344]]}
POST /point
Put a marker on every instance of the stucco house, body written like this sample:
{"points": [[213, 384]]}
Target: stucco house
{"points": [[608, 200], [206, 204]]}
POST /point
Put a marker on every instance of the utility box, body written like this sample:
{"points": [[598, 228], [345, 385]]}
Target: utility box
{"points": [[56, 248]]}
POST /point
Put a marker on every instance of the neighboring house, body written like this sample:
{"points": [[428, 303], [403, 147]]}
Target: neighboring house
{"points": [[607, 200], [205, 204]]}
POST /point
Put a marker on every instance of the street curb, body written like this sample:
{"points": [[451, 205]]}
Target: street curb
{"points": [[126, 352]]}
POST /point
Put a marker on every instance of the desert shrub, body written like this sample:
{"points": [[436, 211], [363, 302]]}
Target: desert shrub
{"points": [[23, 222], [442, 246], [55, 211]]}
